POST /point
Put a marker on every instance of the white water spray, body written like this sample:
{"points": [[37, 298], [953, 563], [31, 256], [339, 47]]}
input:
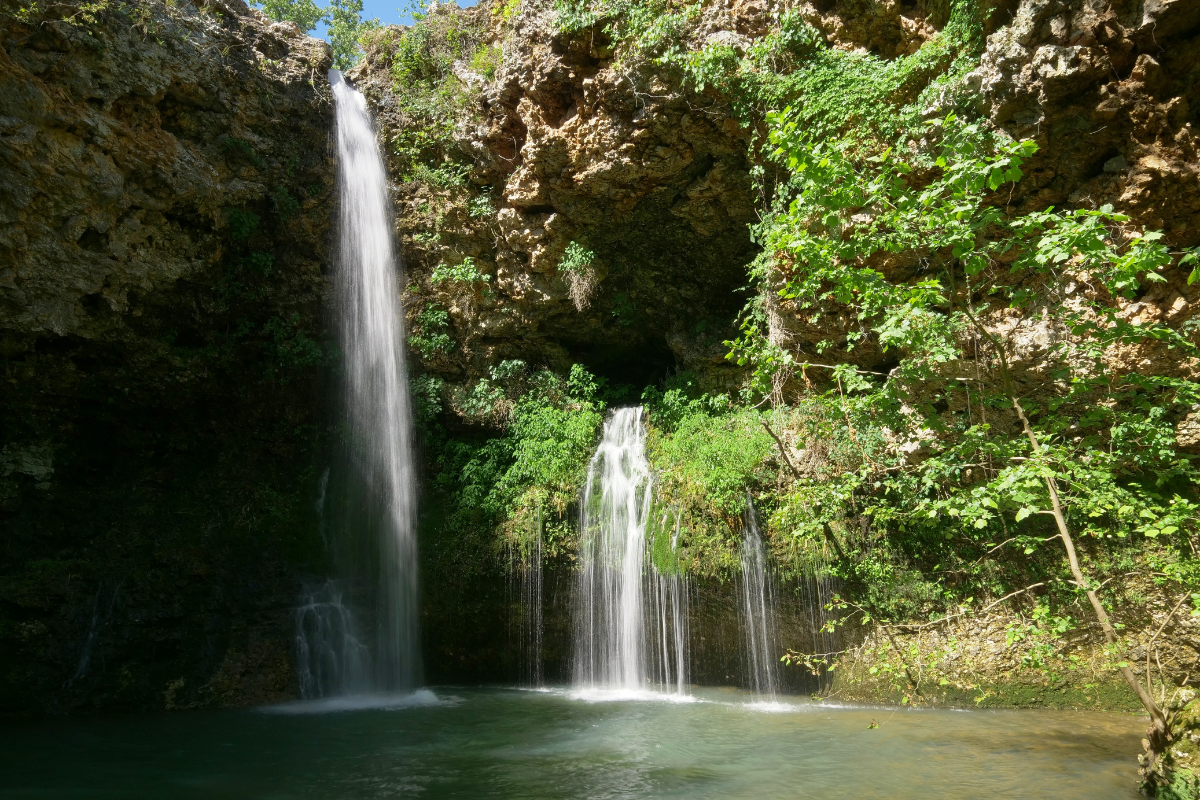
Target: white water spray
{"points": [[630, 619], [757, 613], [377, 407], [330, 659]]}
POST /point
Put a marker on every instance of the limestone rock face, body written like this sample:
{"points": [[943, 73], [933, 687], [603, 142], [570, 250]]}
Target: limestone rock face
{"points": [[165, 193], [121, 154], [572, 146], [1108, 92]]}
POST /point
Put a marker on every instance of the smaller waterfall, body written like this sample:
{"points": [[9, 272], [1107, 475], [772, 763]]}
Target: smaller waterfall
{"points": [[818, 590], [525, 600], [757, 613], [671, 611], [330, 658], [630, 618]]}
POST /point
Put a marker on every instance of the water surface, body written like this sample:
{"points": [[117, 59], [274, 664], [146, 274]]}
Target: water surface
{"points": [[494, 743]]}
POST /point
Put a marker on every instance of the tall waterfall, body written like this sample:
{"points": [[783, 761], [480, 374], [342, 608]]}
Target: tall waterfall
{"points": [[757, 612], [379, 430], [630, 618]]}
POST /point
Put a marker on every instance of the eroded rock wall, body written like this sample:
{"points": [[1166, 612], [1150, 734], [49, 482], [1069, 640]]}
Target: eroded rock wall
{"points": [[165, 195], [571, 141], [570, 146]]}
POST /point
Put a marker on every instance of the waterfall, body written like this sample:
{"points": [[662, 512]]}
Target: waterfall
{"points": [[757, 612], [630, 618], [818, 589], [525, 599], [379, 429], [330, 659]]}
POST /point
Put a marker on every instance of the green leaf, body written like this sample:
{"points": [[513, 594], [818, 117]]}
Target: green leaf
{"points": [[1023, 513]]}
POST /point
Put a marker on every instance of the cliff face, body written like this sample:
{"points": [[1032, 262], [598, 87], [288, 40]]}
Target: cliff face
{"points": [[558, 142], [571, 142], [573, 150], [165, 191]]}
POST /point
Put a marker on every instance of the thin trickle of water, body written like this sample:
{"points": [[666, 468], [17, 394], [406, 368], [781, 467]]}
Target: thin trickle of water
{"points": [[330, 658], [525, 599], [758, 617], [671, 612], [818, 590], [630, 619], [379, 423], [99, 622]]}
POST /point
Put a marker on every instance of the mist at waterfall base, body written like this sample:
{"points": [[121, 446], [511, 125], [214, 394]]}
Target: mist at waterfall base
{"points": [[360, 633]]}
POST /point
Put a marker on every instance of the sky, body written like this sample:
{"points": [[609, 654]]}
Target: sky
{"points": [[389, 12]]}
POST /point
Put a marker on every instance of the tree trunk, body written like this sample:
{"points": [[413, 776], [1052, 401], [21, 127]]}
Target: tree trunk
{"points": [[1159, 734]]}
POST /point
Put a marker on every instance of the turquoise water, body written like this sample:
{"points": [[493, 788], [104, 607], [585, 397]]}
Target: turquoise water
{"points": [[494, 743]]}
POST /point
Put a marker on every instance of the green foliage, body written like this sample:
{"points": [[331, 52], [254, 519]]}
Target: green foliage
{"points": [[707, 455], [432, 332], [285, 204], [644, 27], [431, 95], [305, 13], [465, 272], [480, 206], [623, 309], [241, 149], [912, 488], [346, 30], [346, 27], [486, 61], [427, 399], [1106, 438], [291, 348], [32, 12], [576, 259], [242, 224], [535, 466], [507, 8]]}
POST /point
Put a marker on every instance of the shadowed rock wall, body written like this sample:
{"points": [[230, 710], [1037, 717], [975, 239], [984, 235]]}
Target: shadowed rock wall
{"points": [[165, 192]]}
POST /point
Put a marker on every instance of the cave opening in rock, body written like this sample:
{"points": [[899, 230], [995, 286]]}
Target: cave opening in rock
{"points": [[640, 363]]}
